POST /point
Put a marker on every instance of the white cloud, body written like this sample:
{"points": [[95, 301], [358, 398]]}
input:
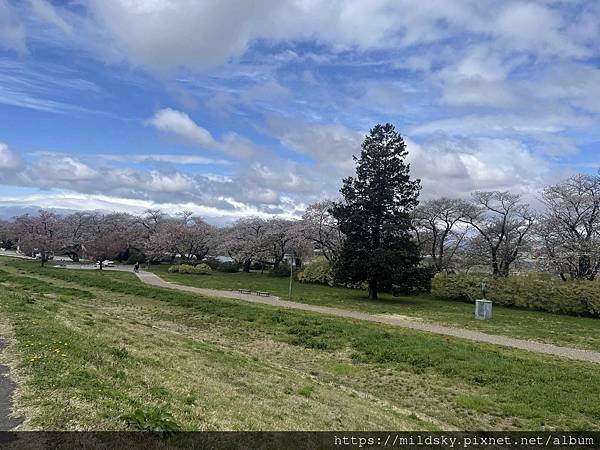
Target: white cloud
{"points": [[45, 11], [480, 92], [176, 182], [162, 35], [167, 158], [260, 186], [12, 32], [527, 26], [460, 166], [180, 124], [327, 144], [66, 168], [68, 200], [8, 159], [554, 120]]}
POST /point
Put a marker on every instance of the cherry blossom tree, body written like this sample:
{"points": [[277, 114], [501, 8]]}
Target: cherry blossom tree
{"points": [[186, 236], [504, 224], [439, 229], [39, 235], [244, 241], [570, 227], [321, 229], [110, 236]]}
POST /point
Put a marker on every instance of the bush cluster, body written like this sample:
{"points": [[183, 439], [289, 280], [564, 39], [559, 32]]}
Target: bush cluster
{"points": [[212, 262], [228, 267], [416, 280], [543, 293], [222, 266], [282, 270], [318, 271], [200, 269]]}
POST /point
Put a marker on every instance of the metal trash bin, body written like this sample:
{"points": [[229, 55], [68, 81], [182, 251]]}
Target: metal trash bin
{"points": [[483, 309]]}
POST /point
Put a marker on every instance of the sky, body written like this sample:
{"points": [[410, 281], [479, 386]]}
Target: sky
{"points": [[235, 108]]}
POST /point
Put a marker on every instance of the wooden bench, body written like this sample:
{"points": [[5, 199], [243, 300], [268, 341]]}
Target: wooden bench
{"points": [[263, 294], [244, 291]]}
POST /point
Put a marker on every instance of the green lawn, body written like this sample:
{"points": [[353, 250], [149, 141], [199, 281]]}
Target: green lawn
{"points": [[579, 332], [95, 350]]}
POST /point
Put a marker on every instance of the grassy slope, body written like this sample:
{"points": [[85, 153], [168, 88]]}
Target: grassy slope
{"points": [[220, 364], [579, 332]]}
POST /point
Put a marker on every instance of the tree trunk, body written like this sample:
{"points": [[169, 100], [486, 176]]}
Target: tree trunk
{"points": [[247, 264], [504, 269], [562, 276], [495, 268], [372, 290], [584, 268]]}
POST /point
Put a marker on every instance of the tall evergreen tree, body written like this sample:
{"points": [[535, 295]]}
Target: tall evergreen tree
{"points": [[375, 215]]}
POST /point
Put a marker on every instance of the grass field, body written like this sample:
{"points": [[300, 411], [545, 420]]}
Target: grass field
{"points": [[95, 350], [578, 332]]}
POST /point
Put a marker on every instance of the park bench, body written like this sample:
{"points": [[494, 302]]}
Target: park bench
{"points": [[263, 294], [244, 291]]}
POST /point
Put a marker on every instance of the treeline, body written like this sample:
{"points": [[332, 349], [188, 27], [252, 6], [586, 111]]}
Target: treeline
{"points": [[153, 237], [500, 230], [497, 230], [376, 233]]}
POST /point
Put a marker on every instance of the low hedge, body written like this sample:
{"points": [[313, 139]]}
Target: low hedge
{"points": [[542, 293], [200, 269]]}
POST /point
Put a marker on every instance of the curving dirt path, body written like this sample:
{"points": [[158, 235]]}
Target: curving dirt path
{"points": [[532, 346]]}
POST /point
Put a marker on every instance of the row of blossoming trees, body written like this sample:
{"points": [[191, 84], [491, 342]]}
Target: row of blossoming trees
{"points": [[500, 230], [153, 236], [497, 231]]}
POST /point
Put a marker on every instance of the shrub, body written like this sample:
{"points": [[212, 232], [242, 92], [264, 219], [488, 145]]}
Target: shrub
{"points": [[212, 262], [174, 268], [579, 298], [228, 267], [318, 271], [282, 270], [414, 281], [202, 269], [186, 268]]}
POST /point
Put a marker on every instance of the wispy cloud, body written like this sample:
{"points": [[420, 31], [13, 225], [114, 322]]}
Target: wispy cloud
{"points": [[41, 86], [167, 158]]}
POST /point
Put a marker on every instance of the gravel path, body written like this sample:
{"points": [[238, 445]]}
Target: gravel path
{"points": [[7, 388], [537, 347]]}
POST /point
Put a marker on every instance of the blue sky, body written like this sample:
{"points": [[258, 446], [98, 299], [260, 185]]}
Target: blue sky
{"points": [[255, 108]]}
